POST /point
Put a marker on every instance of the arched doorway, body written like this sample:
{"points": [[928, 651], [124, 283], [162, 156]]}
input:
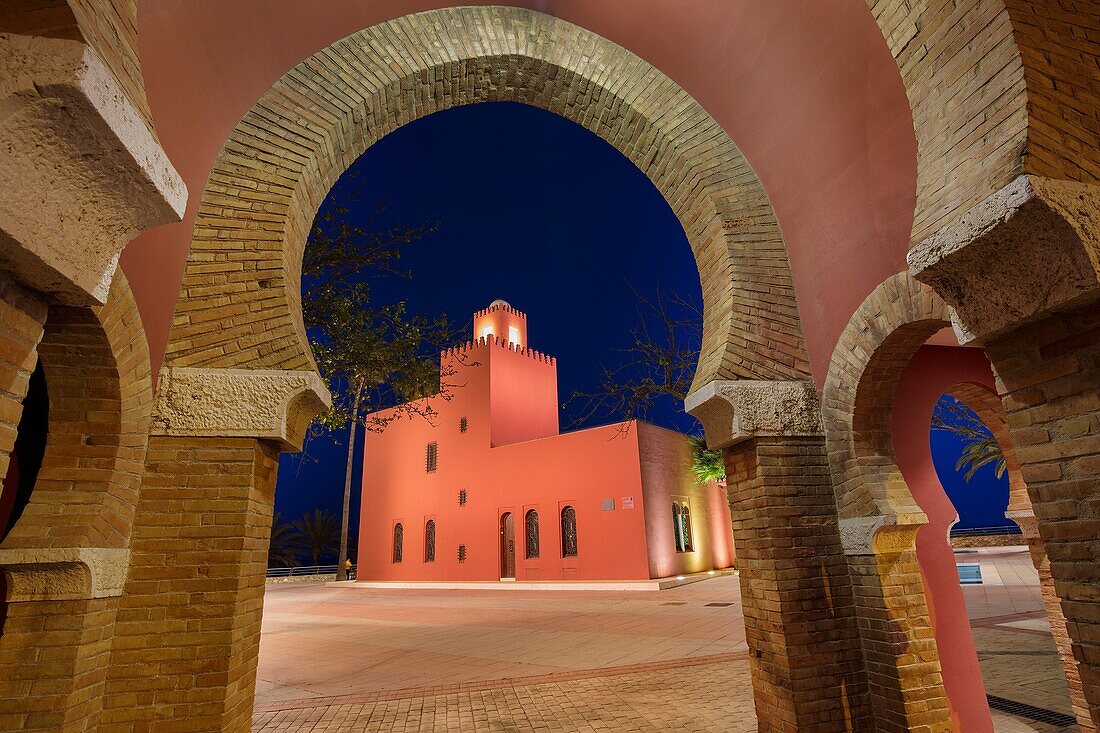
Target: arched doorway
{"points": [[507, 546]]}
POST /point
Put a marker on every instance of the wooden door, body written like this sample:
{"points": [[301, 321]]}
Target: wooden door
{"points": [[507, 546]]}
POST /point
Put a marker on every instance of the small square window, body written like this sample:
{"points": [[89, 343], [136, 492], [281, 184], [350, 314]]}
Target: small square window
{"points": [[462, 553], [432, 458], [462, 497], [463, 425]]}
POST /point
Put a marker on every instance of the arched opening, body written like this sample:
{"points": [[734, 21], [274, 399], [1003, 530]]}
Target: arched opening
{"points": [[398, 542], [26, 458], [531, 534], [569, 544], [429, 541]]}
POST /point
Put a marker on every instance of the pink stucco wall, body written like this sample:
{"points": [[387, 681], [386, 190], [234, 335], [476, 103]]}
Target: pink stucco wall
{"points": [[933, 371], [807, 89]]}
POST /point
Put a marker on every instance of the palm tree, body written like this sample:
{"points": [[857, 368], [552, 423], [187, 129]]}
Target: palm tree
{"points": [[285, 544], [706, 464], [980, 448], [320, 533]]}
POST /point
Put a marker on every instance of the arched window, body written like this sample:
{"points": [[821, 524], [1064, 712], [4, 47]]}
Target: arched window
{"points": [[429, 541], [685, 532], [398, 541], [568, 532], [531, 533], [677, 528]]}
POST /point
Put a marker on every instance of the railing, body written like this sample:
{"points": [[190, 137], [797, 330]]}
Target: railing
{"points": [[306, 570], [985, 531]]}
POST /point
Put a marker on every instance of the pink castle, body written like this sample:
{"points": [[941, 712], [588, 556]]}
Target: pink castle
{"points": [[490, 489]]}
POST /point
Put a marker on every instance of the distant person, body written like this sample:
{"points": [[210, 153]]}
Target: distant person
{"points": [[347, 569]]}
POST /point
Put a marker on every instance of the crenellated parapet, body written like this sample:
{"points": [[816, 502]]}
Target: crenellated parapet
{"points": [[463, 350]]}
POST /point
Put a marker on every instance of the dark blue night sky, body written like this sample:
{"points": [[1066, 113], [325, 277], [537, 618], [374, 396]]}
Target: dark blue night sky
{"points": [[534, 209]]}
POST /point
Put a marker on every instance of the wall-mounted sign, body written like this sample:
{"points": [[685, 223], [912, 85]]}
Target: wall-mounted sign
{"points": [[628, 502]]}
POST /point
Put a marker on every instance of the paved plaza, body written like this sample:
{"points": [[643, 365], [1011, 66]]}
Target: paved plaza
{"points": [[338, 658]]}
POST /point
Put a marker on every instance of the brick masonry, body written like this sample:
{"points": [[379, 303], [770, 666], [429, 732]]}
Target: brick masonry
{"points": [[277, 166]]}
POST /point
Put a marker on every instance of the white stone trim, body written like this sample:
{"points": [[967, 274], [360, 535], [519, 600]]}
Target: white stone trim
{"points": [[59, 574], [736, 410], [225, 403], [81, 174]]}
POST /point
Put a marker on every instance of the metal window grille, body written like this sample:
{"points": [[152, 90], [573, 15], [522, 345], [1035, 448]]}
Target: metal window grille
{"points": [[398, 541], [462, 553], [431, 460], [568, 532], [685, 522], [462, 497], [677, 527], [531, 533], [429, 541], [463, 424]]}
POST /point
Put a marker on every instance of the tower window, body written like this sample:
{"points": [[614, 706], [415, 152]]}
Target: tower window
{"points": [[463, 425], [513, 335], [568, 532], [431, 460]]}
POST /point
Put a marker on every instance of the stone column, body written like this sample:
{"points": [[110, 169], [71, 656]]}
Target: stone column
{"points": [[1022, 272], [800, 623], [188, 625]]}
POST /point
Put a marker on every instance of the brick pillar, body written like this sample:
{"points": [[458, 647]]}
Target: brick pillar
{"points": [[1021, 271], [1050, 381], [188, 626], [899, 643], [800, 624]]}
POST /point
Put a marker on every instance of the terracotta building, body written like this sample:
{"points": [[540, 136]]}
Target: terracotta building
{"points": [[488, 487]]}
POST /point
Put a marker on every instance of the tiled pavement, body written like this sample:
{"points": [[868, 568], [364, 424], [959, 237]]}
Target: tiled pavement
{"points": [[348, 659]]}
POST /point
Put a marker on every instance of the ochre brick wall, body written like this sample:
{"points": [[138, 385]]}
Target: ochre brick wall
{"points": [[875, 503], [239, 303], [96, 363], [54, 650], [188, 626], [996, 92], [1049, 378], [800, 619], [109, 27], [22, 317]]}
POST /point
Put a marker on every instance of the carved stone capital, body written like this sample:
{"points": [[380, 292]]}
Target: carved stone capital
{"points": [[64, 574], [238, 403], [1030, 248], [80, 174], [880, 535], [1026, 521], [733, 411]]}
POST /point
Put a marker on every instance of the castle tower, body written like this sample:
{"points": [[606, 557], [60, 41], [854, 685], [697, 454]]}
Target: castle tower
{"points": [[502, 321]]}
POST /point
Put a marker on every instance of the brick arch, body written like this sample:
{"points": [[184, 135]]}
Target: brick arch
{"points": [[879, 518], [239, 303], [96, 363], [995, 87], [66, 557], [986, 404]]}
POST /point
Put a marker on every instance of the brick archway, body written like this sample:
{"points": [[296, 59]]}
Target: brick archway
{"points": [[879, 518], [289, 149], [65, 559], [238, 364]]}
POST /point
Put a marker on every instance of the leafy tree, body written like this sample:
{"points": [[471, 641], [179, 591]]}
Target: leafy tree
{"points": [[980, 447], [286, 543], [371, 356], [706, 464], [319, 532]]}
